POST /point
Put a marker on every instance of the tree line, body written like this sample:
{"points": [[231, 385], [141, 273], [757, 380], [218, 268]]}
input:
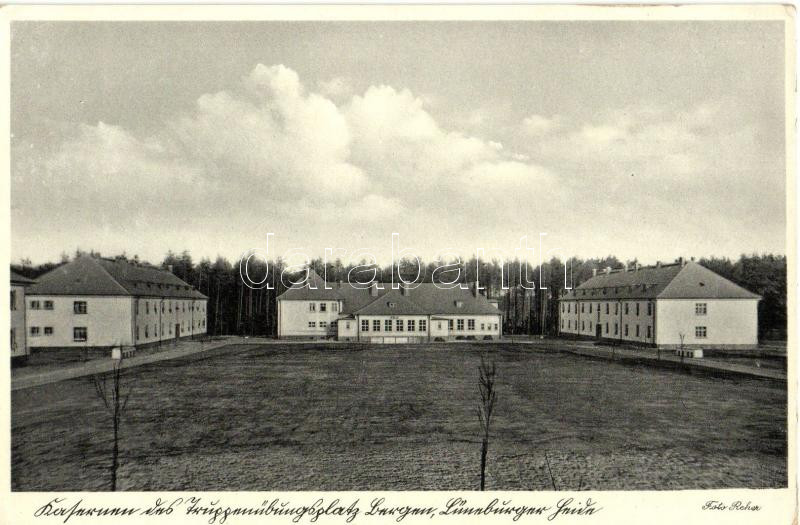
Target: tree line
{"points": [[234, 308]]}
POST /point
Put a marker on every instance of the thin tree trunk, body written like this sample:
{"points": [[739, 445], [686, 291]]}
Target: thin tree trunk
{"points": [[115, 452], [484, 452]]}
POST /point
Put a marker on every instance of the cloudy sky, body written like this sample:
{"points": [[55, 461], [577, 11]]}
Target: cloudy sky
{"points": [[638, 139]]}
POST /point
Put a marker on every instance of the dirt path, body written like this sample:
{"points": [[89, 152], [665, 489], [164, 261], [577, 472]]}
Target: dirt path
{"points": [[31, 377]]}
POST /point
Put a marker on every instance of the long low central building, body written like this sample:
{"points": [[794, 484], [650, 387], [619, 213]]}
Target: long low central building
{"points": [[380, 314]]}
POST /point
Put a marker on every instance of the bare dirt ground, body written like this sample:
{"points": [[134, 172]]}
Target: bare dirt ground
{"points": [[316, 417]]}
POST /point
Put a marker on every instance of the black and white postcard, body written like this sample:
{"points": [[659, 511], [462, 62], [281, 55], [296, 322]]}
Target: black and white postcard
{"points": [[399, 264]]}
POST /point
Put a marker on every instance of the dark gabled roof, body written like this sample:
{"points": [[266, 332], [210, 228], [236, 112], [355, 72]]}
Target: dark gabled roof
{"points": [[143, 279], [698, 282], [423, 299], [20, 279], [393, 302], [435, 300], [645, 283], [88, 275], [667, 281]]}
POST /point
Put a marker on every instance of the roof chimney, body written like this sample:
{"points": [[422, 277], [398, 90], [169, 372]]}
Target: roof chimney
{"points": [[169, 268], [626, 266], [406, 289], [636, 269], [594, 272], [681, 261], [658, 264], [474, 289], [373, 289]]}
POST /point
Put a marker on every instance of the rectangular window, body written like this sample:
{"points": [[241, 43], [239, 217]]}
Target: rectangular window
{"points": [[606, 308], [637, 309], [399, 325], [460, 324], [79, 334], [35, 305], [590, 307], [482, 326], [470, 324], [439, 326], [606, 328], [312, 307], [562, 308], [48, 330], [147, 307], [48, 305], [335, 307], [411, 325], [583, 326], [569, 307], [34, 330], [450, 324], [581, 307], [569, 325], [700, 308], [364, 325], [347, 325], [616, 329], [13, 299], [649, 332], [323, 307], [79, 307], [616, 308], [626, 330], [700, 332], [423, 325], [637, 330], [626, 308], [649, 309], [376, 325], [312, 324], [387, 325], [323, 324]]}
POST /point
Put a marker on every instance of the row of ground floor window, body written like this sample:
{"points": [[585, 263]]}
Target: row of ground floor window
{"points": [[604, 329], [81, 333], [411, 325], [179, 329]]}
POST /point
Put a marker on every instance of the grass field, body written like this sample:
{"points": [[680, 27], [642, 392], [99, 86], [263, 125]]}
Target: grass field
{"points": [[315, 417]]}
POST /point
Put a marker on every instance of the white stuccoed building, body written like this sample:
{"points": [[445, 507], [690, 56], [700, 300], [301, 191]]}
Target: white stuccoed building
{"points": [[18, 345], [95, 302], [666, 305], [379, 314]]}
